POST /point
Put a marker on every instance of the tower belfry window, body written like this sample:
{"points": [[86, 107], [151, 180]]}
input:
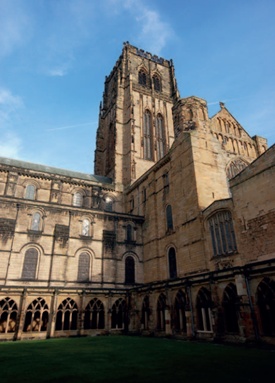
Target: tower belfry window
{"points": [[142, 78], [156, 83], [160, 137], [147, 133]]}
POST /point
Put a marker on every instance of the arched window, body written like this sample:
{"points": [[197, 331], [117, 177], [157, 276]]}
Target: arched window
{"points": [[169, 218], [78, 199], [108, 204], [222, 233], [142, 78], [66, 316], [230, 308], [37, 316], [145, 313], [8, 315], [94, 315], [156, 83], [119, 314], [147, 135], [36, 222], [160, 136], [30, 264], [161, 306], [83, 267], [204, 304], [172, 263], [86, 228], [129, 270], [179, 312], [129, 233], [30, 192], [266, 305], [235, 167]]}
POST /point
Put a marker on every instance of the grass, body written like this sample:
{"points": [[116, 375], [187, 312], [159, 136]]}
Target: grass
{"points": [[131, 359]]}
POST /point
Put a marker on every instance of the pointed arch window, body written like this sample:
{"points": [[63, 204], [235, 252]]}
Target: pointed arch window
{"points": [[145, 314], [161, 307], [266, 306], [66, 317], [172, 263], [156, 83], [204, 304], [36, 222], [30, 192], [142, 77], [8, 315], [222, 233], [147, 135], [83, 267], [179, 312], [230, 305], [129, 270], [160, 136], [30, 264], [94, 317], [37, 316], [119, 314]]}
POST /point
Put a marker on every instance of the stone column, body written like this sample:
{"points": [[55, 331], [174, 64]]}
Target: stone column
{"points": [[21, 316]]}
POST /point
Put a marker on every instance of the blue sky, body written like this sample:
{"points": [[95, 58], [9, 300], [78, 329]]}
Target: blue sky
{"points": [[55, 54]]}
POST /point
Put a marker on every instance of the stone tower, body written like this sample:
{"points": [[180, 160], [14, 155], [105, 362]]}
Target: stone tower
{"points": [[135, 119]]}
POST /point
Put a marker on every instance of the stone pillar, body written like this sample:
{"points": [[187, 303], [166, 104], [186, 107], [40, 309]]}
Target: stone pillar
{"points": [[51, 327], [80, 324], [21, 316], [167, 317]]}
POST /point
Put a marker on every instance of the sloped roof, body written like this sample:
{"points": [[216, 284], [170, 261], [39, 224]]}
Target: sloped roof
{"points": [[53, 170]]}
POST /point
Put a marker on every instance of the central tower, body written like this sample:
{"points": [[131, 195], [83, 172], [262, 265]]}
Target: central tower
{"points": [[135, 119]]}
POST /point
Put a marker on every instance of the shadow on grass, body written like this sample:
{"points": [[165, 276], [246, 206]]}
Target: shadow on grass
{"points": [[131, 359]]}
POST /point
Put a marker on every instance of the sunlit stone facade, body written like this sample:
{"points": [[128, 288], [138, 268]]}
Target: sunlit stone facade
{"points": [[173, 235]]}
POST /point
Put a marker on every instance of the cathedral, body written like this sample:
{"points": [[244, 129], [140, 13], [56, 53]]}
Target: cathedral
{"points": [[173, 234]]}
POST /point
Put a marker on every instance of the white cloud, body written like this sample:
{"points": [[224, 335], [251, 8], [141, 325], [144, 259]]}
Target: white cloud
{"points": [[154, 31], [9, 104]]}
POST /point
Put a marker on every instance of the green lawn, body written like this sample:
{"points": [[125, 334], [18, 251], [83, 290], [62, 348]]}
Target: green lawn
{"points": [[132, 359]]}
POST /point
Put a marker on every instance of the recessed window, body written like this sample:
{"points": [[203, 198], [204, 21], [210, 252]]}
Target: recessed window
{"points": [[147, 135], [142, 77], [129, 270], [172, 263], [160, 136], [37, 316], [36, 222], [78, 199], [108, 204], [30, 192], [30, 264], [222, 233], [169, 218], [8, 315], [156, 83], [83, 267], [66, 316], [86, 228], [204, 304]]}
